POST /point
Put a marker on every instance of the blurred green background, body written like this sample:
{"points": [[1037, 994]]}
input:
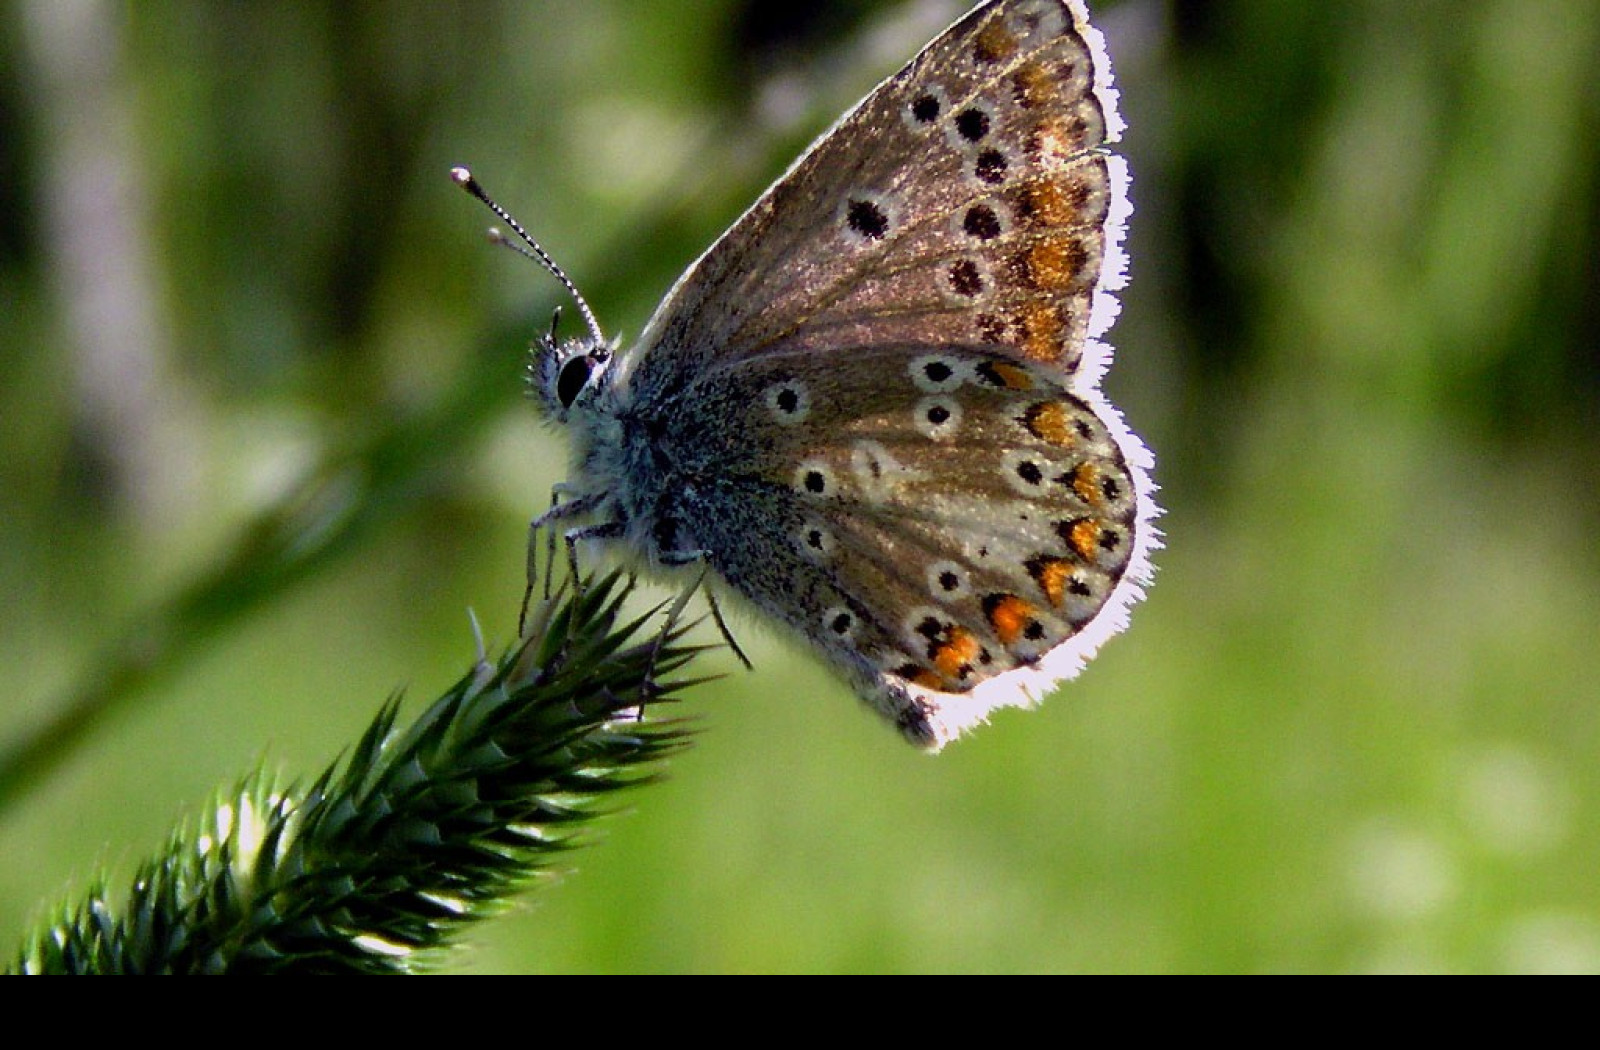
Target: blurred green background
{"points": [[264, 446]]}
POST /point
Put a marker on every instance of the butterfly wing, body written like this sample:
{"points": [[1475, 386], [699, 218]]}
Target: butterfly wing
{"points": [[877, 395], [967, 200], [954, 528]]}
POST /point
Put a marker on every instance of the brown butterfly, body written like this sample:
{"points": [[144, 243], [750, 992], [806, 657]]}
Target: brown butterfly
{"points": [[872, 408]]}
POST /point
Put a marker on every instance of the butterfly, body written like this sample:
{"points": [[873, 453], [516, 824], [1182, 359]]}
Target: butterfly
{"points": [[872, 407]]}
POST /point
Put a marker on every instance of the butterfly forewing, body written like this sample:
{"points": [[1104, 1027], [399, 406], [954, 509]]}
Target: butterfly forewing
{"points": [[967, 201]]}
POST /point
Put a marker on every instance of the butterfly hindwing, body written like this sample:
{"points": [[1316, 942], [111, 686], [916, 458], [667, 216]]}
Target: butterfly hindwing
{"points": [[930, 518]]}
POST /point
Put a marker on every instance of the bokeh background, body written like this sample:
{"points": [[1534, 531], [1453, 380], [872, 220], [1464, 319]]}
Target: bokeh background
{"points": [[265, 445]]}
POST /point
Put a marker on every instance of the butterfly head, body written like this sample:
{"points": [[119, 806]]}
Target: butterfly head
{"points": [[566, 374]]}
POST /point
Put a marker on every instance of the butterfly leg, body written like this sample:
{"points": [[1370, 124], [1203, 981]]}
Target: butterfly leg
{"points": [[704, 558], [727, 635], [608, 530], [674, 614], [557, 512]]}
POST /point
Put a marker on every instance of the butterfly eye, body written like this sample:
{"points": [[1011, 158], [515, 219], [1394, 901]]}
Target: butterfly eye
{"points": [[574, 377]]}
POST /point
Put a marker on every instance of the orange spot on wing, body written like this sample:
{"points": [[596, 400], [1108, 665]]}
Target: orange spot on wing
{"points": [[1084, 538], [1052, 266], [1045, 203], [1056, 141], [994, 43], [1009, 616], [1009, 376], [1048, 421], [1041, 326], [1086, 483], [954, 657], [1032, 86], [1052, 575]]}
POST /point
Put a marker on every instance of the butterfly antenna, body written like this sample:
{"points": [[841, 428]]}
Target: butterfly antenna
{"points": [[466, 181]]}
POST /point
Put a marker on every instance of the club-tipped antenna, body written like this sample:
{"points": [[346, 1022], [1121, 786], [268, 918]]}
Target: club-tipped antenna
{"points": [[465, 180]]}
